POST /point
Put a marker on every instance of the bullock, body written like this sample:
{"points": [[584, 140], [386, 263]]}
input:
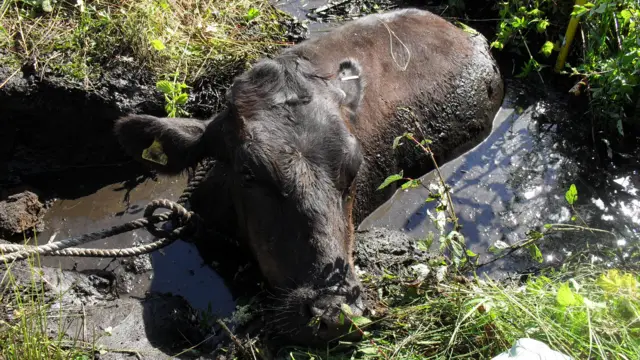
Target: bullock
{"points": [[305, 139]]}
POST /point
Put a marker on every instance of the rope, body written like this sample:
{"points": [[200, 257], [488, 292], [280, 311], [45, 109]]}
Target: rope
{"points": [[186, 222]]}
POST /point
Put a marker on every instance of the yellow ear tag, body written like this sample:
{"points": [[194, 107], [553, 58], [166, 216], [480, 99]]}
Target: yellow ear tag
{"points": [[155, 154]]}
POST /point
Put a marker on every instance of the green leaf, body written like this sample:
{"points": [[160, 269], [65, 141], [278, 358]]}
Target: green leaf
{"points": [[346, 309], [46, 6], [368, 350], [542, 25], [536, 235], [396, 141], [361, 321], [341, 319], [252, 14], [471, 253], [466, 28], [165, 86], [571, 195], [411, 183], [601, 9], [498, 247], [612, 282], [158, 45], [391, 179], [457, 249], [424, 245], [619, 126], [626, 15], [547, 48], [548, 226], [565, 296], [574, 218], [535, 12], [535, 253], [182, 99]]}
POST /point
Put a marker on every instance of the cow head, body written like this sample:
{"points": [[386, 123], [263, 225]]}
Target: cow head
{"points": [[285, 141]]}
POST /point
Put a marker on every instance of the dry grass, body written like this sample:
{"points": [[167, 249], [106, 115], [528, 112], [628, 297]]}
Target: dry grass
{"points": [[171, 38]]}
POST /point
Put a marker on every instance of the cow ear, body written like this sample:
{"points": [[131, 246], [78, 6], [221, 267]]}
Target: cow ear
{"points": [[168, 145], [350, 81]]}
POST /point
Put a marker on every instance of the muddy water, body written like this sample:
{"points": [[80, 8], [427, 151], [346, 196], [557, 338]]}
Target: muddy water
{"points": [[300, 9], [515, 181], [177, 268]]}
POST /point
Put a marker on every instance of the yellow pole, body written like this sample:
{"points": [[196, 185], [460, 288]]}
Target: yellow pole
{"points": [[568, 39]]}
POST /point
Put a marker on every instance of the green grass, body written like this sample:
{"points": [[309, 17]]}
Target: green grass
{"points": [[172, 39], [585, 312], [27, 316]]}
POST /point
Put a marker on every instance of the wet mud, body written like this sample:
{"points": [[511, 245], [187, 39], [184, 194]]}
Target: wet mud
{"points": [[176, 269]]}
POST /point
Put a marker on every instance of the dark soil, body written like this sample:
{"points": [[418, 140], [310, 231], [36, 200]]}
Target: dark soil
{"points": [[19, 213]]}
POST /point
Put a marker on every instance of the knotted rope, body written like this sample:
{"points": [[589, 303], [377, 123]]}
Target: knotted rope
{"points": [[186, 223]]}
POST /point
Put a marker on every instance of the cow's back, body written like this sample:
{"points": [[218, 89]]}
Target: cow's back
{"points": [[440, 76]]}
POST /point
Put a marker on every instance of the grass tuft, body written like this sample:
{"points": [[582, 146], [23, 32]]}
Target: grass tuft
{"points": [[80, 39], [586, 312], [26, 317]]}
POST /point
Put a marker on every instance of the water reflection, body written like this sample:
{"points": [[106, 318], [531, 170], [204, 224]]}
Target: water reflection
{"points": [[515, 181]]}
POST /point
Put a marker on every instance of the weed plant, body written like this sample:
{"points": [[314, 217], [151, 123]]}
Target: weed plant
{"points": [[606, 50], [26, 318]]}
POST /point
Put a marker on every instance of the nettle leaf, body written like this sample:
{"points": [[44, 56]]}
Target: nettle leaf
{"points": [[391, 179], [346, 309], [571, 195], [547, 48], [361, 321], [182, 99], [396, 141], [535, 253], [498, 247], [411, 183], [157, 44], [565, 296], [165, 86], [542, 25]]}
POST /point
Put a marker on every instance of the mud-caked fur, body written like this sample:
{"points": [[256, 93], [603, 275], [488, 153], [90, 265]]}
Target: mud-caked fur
{"points": [[306, 139]]}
